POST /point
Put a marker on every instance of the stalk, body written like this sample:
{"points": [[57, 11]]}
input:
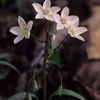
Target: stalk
{"points": [[44, 65]]}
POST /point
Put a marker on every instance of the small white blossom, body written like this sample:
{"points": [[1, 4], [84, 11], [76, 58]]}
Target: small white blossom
{"points": [[45, 11], [75, 31], [62, 21], [22, 31]]}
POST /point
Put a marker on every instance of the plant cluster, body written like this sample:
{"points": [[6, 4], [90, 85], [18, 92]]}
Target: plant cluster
{"points": [[50, 14]]}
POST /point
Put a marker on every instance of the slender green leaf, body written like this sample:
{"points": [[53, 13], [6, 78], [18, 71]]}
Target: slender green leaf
{"points": [[35, 85], [22, 96], [28, 96], [67, 92], [9, 65]]}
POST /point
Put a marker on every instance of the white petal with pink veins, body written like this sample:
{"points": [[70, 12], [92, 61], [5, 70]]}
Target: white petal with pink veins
{"points": [[46, 4], [21, 22], [38, 7], [65, 12], [29, 25], [18, 39], [16, 30], [81, 30], [54, 10]]}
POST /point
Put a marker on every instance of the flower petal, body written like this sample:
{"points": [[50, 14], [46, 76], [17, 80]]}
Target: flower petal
{"points": [[81, 30], [46, 4], [49, 17], [21, 22], [60, 27], [27, 36], [39, 16], [38, 7], [16, 30], [29, 25], [73, 20], [19, 38], [65, 12], [54, 10], [57, 18], [80, 38]]}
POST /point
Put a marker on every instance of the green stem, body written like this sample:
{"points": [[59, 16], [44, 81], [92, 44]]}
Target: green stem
{"points": [[33, 78]]}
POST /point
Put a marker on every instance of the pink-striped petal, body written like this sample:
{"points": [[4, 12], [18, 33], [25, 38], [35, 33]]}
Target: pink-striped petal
{"points": [[38, 8], [80, 38], [57, 18], [65, 12], [81, 30], [29, 25], [16, 30], [18, 39], [72, 19], [46, 4], [39, 16], [49, 17], [54, 10], [21, 22]]}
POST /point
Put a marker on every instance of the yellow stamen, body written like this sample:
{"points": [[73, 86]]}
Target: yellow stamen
{"points": [[71, 32], [45, 12], [63, 21], [25, 30]]}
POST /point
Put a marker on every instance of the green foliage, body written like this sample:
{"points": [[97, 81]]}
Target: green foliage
{"points": [[50, 52], [66, 92], [55, 59], [35, 85], [23, 96], [54, 30], [28, 96]]}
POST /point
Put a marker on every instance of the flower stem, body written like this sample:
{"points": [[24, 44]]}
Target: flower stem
{"points": [[44, 66], [66, 37], [60, 44]]}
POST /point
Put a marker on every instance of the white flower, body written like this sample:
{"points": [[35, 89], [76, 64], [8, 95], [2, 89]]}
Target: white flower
{"points": [[62, 21], [22, 31], [45, 11], [75, 31]]}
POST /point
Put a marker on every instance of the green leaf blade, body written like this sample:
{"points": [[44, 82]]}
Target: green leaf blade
{"points": [[66, 92], [23, 96]]}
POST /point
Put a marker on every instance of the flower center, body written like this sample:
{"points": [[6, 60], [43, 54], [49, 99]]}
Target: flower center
{"points": [[63, 21], [71, 32], [45, 12], [25, 30]]}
